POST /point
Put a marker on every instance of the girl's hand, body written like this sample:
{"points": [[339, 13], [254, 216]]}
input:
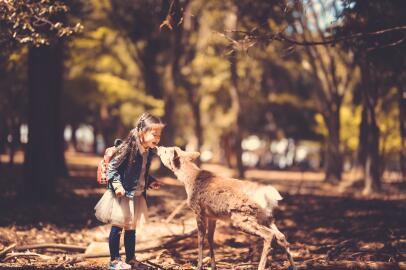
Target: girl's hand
{"points": [[120, 192], [155, 185]]}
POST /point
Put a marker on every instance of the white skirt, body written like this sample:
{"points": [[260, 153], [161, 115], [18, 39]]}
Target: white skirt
{"points": [[124, 212]]}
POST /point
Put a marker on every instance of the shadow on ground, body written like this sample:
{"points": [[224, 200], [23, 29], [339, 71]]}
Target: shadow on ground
{"points": [[319, 227]]}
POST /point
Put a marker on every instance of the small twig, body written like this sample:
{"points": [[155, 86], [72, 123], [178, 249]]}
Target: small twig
{"points": [[169, 17], [162, 245], [52, 245], [369, 265], [155, 265], [7, 249], [340, 246], [27, 254]]}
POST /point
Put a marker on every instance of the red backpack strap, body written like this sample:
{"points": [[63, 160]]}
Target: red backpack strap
{"points": [[103, 164], [108, 154]]}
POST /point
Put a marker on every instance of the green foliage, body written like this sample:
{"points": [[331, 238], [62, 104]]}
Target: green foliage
{"points": [[102, 73], [34, 22], [122, 64], [13, 91]]}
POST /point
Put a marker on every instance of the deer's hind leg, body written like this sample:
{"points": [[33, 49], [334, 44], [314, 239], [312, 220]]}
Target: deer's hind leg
{"points": [[250, 225], [210, 235], [281, 240], [201, 229]]}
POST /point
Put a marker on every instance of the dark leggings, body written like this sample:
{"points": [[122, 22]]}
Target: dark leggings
{"points": [[114, 243]]}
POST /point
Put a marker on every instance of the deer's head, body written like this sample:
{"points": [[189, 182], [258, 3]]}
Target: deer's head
{"points": [[173, 157]]}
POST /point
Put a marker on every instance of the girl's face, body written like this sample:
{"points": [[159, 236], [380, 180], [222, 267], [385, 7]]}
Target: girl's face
{"points": [[151, 137]]}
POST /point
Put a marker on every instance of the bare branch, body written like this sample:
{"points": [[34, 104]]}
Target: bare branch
{"points": [[27, 254], [282, 37], [168, 22], [51, 245], [7, 249]]}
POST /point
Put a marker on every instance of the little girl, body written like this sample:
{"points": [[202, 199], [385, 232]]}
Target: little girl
{"points": [[124, 203]]}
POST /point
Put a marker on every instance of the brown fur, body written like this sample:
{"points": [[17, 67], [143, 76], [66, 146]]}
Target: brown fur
{"points": [[212, 197]]}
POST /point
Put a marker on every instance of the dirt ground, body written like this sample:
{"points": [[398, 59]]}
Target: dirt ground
{"points": [[328, 227]]}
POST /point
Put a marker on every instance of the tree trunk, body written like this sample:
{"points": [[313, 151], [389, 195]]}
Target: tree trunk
{"points": [[226, 148], [195, 106], [372, 168], [60, 151], [149, 64], [333, 164], [43, 157], [3, 138], [238, 152], [15, 141], [95, 133], [3, 135], [169, 136], [372, 162], [198, 126], [402, 129], [73, 138], [235, 97], [186, 51], [362, 138]]}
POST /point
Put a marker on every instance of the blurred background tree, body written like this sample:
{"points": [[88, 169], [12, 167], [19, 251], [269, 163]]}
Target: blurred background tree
{"points": [[40, 25], [234, 80]]}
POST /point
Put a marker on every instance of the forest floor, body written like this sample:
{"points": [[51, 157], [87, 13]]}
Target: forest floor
{"points": [[328, 227]]}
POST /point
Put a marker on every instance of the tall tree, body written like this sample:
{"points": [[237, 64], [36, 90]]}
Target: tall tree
{"points": [[153, 50], [44, 154], [40, 24], [382, 62]]}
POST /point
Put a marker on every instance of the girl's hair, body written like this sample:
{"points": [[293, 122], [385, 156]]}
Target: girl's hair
{"points": [[129, 147]]}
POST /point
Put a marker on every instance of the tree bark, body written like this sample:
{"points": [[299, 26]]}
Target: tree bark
{"points": [[43, 156], [362, 138], [235, 97], [60, 151], [15, 141], [73, 138], [402, 129], [186, 52], [95, 133], [148, 68], [169, 97], [334, 163], [372, 168], [3, 135], [226, 148], [372, 163]]}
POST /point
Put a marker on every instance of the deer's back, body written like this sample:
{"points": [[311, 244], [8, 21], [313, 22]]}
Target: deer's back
{"points": [[219, 197]]}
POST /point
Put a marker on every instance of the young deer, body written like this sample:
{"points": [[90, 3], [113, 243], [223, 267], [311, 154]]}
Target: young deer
{"points": [[212, 197]]}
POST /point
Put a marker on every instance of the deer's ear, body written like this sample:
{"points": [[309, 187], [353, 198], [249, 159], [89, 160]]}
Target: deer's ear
{"points": [[175, 160]]}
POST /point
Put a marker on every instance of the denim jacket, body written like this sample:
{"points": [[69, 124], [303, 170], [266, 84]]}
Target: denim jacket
{"points": [[128, 177]]}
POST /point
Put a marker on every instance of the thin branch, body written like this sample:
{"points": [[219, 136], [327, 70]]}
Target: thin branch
{"points": [[370, 265], [169, 17], [156, 246], [7, 249], [388, 45], [27, 254], [282, 37], [51, 245]]}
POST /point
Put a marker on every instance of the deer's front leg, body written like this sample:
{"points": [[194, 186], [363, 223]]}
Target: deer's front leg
{"points": [[201, 229]]}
